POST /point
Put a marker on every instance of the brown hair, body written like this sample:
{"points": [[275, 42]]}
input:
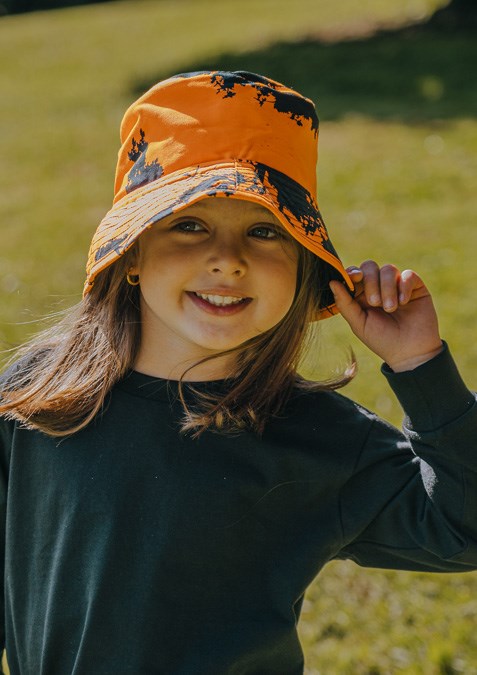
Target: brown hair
{"points": [[59, 380]]}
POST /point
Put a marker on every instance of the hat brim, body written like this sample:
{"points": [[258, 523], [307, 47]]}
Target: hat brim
{"points": [[285, 198]]}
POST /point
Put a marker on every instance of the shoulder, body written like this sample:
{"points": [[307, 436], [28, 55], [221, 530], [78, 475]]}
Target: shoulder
{"points": [[320, 405], [7, 431], [17, 374], [325, 418], [322, 431]]}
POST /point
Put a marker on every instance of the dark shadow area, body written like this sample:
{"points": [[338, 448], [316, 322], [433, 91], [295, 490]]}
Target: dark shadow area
{"points": [[23, 6], [417, 73], [455, 15]]}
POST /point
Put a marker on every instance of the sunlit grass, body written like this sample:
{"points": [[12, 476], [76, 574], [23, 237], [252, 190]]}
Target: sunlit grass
{"points": [[397, 178], [371, 623]]}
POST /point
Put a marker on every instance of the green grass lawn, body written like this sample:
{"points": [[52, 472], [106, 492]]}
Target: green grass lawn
{"points": [[397, 176]]}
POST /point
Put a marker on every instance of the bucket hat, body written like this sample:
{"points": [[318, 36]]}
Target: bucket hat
{"points": [[214, 133]]}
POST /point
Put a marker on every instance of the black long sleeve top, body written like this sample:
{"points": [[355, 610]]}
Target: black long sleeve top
{"points": [[133, 549]]}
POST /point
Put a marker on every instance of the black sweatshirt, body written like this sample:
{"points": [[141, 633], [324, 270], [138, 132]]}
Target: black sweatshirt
{"points": [[132, 549]]}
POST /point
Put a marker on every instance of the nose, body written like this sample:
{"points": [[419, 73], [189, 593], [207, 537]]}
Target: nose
{"points": [[227, 260]]}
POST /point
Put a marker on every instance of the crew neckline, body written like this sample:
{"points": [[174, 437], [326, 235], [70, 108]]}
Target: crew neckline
{"points": [[160, 389]]}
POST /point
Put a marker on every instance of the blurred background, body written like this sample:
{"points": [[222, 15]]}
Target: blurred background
{"points": [[395, 86]]}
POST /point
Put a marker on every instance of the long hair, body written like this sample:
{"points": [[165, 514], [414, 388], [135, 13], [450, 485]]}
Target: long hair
{"points": [[59, 381]]}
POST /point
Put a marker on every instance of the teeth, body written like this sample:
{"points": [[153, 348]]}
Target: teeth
{"points": [[220, 300]]}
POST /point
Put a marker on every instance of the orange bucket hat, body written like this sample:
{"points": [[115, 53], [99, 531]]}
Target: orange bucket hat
{"points": [[214, 133]]}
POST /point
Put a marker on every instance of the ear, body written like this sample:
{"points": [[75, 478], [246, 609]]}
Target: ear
{"points": [[133, 270], [134, 254]]}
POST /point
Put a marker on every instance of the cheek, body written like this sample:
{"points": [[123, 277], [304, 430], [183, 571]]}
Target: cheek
{"points": [[289, 272], [159, 265], [286, 299], [282, 281], [158, 283]]}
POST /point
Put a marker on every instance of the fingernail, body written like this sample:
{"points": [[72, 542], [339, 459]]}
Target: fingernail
{"points": [[375, 299], [389, 304]]}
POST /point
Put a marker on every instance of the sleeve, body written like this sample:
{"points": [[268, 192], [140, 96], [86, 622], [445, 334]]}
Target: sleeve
{"points": [[411, 501], [4, 454]]}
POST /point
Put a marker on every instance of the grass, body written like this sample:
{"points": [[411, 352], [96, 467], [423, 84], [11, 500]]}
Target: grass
{"points": [[381, 623], [397, 179]]}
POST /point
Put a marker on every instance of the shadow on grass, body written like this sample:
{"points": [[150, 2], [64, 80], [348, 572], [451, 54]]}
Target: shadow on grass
{"points": [[414, 74]]}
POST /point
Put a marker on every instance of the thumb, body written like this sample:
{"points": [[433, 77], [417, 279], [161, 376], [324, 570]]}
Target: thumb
{"points": [[351, 310]]}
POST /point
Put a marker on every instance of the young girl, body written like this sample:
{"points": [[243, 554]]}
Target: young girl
{"points": [[170, 485]]}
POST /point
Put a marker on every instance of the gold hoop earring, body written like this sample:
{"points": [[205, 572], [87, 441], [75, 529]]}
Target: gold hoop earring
{"points": [[132, 279]]}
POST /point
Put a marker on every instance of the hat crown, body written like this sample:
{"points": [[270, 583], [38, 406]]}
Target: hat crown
{"points": [[195, 119]]}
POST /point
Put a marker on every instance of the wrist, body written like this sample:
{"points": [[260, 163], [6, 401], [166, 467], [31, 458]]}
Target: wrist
{"points": [[414, 361]]}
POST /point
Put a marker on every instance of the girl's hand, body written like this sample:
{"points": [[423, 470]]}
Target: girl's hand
{"points": [[392, 313]]}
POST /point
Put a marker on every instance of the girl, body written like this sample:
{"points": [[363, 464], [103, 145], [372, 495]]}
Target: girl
{"points": [[170, 484]]}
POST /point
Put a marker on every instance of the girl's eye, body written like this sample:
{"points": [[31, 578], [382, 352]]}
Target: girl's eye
{"points": [[265, 232], [188, 226]]}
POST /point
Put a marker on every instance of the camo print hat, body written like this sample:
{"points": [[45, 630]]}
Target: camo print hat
{"points": [[215, 133]]}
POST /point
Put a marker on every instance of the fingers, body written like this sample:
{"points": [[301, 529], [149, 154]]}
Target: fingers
{"points": [[347, 306], [411, 287], [385, 286]]}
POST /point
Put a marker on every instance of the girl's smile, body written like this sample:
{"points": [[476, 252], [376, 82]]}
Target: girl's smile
{"points": [[217, 303], [212, 276]]}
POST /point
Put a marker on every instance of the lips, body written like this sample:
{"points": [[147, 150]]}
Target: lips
{"points": [[219, 304]]}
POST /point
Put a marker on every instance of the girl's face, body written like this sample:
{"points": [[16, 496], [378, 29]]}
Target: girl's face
{"points": [[216, 274]]}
